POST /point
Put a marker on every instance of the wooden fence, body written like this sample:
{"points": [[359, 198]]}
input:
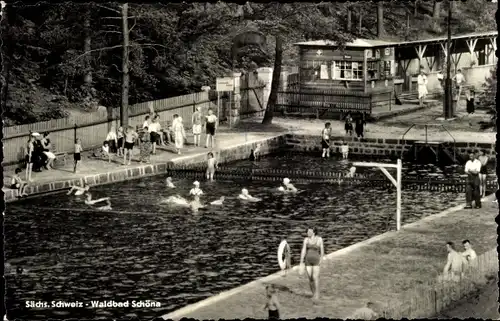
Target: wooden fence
{"points": [[317, 101], [430, 299], [93, 128]]}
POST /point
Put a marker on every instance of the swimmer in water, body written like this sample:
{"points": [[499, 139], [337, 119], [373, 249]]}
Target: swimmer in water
{"points": [[288, 187], [177, 200], [219, 201], [90, 201], [211, 166], [169, 183], [196, 190], [79, 190], [351, 172], [247, 197]]}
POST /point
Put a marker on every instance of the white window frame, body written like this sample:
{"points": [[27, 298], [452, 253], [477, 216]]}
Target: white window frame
{"points": [[337, 63]]}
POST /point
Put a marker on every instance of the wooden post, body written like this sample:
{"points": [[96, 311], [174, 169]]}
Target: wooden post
{"points": [[74, 133], [218, 108], [398, 194]]}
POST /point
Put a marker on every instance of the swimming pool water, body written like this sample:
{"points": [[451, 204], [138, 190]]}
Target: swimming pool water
{"points": [[144, 250]]}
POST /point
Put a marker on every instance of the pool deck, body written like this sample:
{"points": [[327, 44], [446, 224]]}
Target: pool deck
{"points": [[248, 132], [381, 270]]}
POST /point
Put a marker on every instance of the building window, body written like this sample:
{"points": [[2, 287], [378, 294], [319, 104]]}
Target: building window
{"points": [[372, 70], [347, 70]]}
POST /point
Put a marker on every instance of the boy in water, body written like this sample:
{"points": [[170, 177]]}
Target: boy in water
{"points": [[272, 305], [344, 149], [79, 190], [18, 184], [170, 184], [211, 166]]}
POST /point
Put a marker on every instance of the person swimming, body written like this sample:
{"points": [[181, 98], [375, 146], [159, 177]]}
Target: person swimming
{"points": [[79, 190], [90, 201], [247, 197], [220, 201], [177, 200], [351, 172], [287, 186], [169, 183]]}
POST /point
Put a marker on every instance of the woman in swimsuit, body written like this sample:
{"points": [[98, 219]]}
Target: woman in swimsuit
{"points": [[483, 172], [311, 255], [210, 126]]}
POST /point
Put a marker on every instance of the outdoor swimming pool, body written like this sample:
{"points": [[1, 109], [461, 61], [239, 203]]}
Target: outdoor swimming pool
{"points": [[144, 250]]}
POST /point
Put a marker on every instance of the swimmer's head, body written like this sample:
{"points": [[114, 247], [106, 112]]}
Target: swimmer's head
{"points": [[244, 191], [281, 189], [196, 183], [286, 181], [88, 195], [270, 289], [222, 198]]}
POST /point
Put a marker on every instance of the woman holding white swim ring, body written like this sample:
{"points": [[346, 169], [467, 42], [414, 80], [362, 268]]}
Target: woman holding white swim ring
{"points": [[311, 256]]}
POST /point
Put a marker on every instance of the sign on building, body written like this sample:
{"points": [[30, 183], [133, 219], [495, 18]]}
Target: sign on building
{"points": [[224, 84]]}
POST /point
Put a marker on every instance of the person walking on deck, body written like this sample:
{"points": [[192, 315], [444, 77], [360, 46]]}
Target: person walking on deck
{"points": [[179, 133], [311, 256], [459, 83], [422, 87], [472, 192]]}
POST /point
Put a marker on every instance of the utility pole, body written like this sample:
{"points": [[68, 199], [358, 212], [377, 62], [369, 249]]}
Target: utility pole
{"points": [[448, 99], [125, 71]]}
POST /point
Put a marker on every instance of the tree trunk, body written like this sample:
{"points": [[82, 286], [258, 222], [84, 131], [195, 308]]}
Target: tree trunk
{"points": [[436, 10], [7, 48], [87, 78], [360, 21], [380, 19], [273, 96], [415, 8], [349, 19], [125, 62]]}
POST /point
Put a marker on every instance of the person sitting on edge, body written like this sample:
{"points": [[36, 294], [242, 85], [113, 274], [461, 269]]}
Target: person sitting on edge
{"points": [[351, 172], [169, 183], [220, 201], [272, 305], [453, 270], [344, 149], [288, 187], [247, 197], [18, 184], [365, 313], [256, 152], [79, 190], [469, 254]]}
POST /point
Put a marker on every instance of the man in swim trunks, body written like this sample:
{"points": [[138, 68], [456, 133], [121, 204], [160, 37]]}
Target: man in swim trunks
{"points": [[130, 138], [312, 254], [453, 270]]}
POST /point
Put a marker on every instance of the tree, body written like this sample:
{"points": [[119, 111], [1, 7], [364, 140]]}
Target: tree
{"points": [[487, 99], [436, 10], [380, 19]]}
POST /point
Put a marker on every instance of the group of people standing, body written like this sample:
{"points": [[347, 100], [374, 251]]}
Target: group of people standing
{"points": [[39, 154], [477, 171]]}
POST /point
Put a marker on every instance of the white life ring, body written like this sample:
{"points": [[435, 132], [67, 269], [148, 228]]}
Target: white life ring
{"points": [[281, 250]]}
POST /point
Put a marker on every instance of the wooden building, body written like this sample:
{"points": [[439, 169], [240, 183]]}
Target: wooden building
{"points": [[364, 67]]}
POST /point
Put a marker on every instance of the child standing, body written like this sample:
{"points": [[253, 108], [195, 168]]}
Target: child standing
{"points": [[106, 151], [211, 166], [119, 136], [272, 306], [77, 155], [470, 95], [325, 140], [18, 184], [344, 149], [348, 125]]}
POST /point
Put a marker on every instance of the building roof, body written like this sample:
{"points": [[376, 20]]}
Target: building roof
{"points": [[360, 43], [370, 43]]}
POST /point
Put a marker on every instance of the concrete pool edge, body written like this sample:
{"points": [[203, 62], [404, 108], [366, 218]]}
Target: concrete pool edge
{"points": [[182, 312], [230, 153]]}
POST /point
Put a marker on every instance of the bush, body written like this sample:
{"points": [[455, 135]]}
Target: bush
{"points": [[487, 99]]}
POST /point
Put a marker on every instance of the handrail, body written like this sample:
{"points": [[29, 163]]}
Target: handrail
{"points": [[454, 141], [406, 132]]}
